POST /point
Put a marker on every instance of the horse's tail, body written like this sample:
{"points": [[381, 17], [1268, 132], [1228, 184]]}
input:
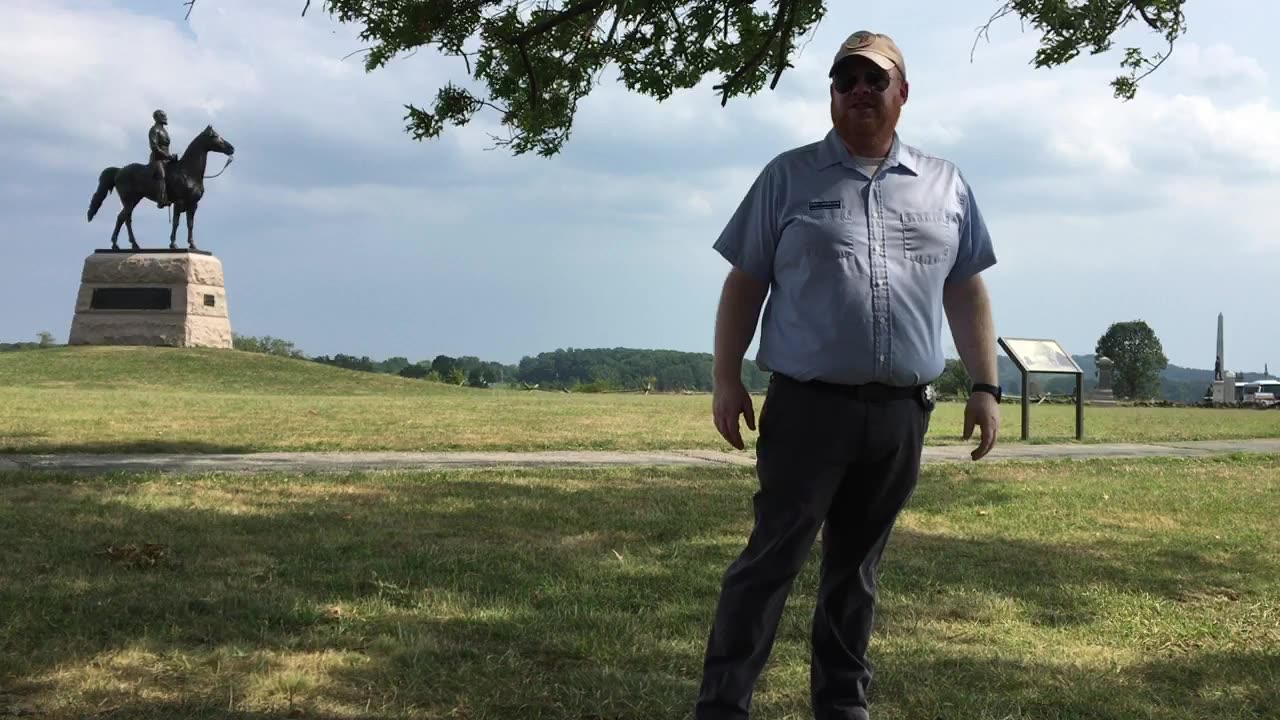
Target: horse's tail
{"points": [[106, 182]]}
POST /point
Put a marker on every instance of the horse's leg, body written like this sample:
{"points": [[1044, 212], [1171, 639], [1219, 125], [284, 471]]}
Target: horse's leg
{"points": [[173, 233], [115, 234], [128, 222], [191, 221]]}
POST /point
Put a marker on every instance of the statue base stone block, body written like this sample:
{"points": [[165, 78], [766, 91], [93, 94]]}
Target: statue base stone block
{"points": [[173, 298], [1101, 397]]}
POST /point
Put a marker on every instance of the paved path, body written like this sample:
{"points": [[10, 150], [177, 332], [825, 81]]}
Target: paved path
{"points": [[348, 461]]}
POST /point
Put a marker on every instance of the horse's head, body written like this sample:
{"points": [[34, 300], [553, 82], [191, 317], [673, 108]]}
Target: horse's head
{"points": [[214, 142]]}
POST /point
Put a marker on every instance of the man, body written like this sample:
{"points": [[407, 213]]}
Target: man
{"points": [[158, 138], [864, 243]]}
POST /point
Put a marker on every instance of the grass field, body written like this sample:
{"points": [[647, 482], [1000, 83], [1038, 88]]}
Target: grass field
{"points": [[1105, 590], [114, 399]]}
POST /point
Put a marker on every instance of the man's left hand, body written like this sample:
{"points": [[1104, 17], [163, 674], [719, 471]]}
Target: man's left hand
{"points": [[982, 410]]}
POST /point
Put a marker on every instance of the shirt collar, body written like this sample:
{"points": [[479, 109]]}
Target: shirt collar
{"points": [[831, 151]]}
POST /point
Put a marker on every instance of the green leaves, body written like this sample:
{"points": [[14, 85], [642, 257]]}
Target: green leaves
{"points": [[1072, 26], [533, 64]]}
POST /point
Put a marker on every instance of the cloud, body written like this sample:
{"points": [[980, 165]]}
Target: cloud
{"points": [[1216, 67], [94, 74]]}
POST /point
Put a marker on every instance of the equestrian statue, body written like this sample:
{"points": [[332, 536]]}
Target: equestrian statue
{"points": [[165, 179]]}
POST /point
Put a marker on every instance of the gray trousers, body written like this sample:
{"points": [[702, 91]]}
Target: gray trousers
{"points": [[843, 460]]}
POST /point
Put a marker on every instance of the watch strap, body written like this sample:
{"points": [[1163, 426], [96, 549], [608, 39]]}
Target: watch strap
{"points": [[983, 387]]}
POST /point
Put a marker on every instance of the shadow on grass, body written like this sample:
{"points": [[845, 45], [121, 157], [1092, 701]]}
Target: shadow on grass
{"points": [[461, 592], [124, 447], [1219, 685], [479, 595], [1048, 579], [1051, 580]]}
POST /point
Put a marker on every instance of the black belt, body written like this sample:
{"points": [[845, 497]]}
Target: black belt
{"points": [[869, 392]]}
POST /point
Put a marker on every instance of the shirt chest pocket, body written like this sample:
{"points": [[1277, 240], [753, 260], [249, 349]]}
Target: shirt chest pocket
{"points": [[825, 234], [928, 238]]}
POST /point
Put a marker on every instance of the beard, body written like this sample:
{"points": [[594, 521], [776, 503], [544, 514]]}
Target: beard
{"points": [[861, 119]]}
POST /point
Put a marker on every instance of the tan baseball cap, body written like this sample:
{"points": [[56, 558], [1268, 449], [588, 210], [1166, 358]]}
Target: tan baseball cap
{"points": [[877, 47]]}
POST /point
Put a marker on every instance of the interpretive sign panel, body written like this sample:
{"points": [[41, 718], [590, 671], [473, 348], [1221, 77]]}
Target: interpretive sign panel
{"points": [[1039, 355]]}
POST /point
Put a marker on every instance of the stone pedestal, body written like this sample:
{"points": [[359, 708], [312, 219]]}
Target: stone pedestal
{"points": [[1102, 397], [1224, 390], [151, 297]]}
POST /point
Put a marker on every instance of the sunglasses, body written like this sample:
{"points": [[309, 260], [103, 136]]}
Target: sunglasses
{"points": [[877, 80]]}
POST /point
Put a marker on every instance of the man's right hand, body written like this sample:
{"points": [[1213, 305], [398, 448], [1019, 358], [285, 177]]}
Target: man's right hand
{"points": [[729, 400]]}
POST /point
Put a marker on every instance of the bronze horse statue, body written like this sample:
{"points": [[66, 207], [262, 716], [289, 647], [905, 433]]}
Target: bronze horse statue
{"points": [[184, 182]]}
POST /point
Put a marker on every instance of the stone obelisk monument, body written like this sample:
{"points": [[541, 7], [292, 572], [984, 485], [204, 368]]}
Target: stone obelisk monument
{"points": [[140, 296], [1224, 381], [1219, 364]]}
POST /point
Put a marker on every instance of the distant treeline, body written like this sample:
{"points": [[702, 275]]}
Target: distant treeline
{"points": [[575, 370], [43, 340], [630, 369]]}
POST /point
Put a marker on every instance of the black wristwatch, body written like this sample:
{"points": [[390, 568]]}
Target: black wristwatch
{"points": [[993, 389]]}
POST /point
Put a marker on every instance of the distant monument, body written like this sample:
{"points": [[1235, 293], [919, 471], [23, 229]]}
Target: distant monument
{"points": [[1218, 367], [1223, 389], [1103, 393], [174, 297]]}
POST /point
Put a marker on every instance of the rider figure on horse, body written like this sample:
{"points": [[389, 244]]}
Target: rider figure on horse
{"points": [[160, 155]]}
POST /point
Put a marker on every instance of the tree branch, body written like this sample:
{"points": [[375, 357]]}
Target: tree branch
{"points": [[533, 77], [754, 62], [781, 62], [1154, 66], [675, 20], [486, 103], [557, 19], [545, 26], [617, 16], [191, 4], [985, 29], [1154, 23]]}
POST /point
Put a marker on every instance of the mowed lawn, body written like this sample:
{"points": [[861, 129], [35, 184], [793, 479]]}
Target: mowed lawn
{"points": [[116, 399], [1105, 590]]}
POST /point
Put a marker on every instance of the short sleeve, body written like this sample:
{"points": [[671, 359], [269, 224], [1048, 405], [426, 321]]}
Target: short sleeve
{"points": [[750, 238], [975, 252]]}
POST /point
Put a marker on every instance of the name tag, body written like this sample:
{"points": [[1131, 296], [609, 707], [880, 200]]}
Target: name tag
{"points": [[826, 205]]}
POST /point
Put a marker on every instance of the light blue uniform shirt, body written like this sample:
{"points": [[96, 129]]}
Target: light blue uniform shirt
{"points": [[856, 265]]}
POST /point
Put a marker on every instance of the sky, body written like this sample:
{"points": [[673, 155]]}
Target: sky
{"points": [[340, 232]]}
